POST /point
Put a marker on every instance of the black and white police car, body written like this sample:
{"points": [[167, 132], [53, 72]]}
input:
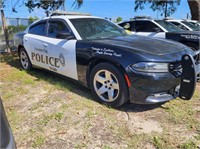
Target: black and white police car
{"points": [[146, 26], [115, 66], [185, 25]]}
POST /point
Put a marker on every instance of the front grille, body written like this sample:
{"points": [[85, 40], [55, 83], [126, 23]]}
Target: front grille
{"points": [[176, 69]]}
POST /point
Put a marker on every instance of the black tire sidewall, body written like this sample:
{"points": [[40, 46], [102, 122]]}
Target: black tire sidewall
{"points": [[123, 88], [29, 62]]}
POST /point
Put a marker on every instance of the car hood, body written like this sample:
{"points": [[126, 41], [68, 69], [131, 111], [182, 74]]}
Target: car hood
{"points": [[187, 32], [155, 46]]}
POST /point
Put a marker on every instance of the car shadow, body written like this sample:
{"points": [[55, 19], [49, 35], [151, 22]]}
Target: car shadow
{"points": [[76, 87]]}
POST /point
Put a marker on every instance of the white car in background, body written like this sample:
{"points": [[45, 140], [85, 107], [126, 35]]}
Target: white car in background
{"points": [[185, 25], [194, 22]]}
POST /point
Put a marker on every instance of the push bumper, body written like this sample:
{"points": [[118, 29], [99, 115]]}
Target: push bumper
{"points": [[191, 70]]}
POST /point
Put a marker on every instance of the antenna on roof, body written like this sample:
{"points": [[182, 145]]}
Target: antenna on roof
{"points": [[58, 13]]}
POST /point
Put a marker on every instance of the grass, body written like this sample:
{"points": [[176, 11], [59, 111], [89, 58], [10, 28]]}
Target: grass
{"points": [[38, 141], [48, 111], [189, 145]]}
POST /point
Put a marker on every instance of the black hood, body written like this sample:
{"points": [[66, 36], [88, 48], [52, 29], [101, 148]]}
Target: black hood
{"points": [[187, 32], [149, 45]]}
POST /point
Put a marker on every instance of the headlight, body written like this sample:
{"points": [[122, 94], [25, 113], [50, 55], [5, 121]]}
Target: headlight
{"points": [[151, 67]]}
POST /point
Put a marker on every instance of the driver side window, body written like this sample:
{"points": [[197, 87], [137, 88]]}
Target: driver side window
{"points": [[56, 27], [146, 26]]}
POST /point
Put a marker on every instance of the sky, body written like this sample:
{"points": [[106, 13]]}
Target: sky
{"points": [[102, 8]]}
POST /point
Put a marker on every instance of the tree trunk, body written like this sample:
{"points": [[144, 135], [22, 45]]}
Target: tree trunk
{"points": [[195, 9], [5, 29]]}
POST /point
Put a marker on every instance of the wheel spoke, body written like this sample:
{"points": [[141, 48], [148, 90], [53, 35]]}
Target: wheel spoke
{"points": [[100, 79], [101, 90], [22, 55], [115, 85], [108, 75], [110, 94]]}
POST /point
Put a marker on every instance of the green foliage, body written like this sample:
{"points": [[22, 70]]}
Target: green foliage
{"points": [[119, 19], [48, 5], [158, 142], [189, 145], [166, 7], [38, 141], [15, 29], [32, 19]]}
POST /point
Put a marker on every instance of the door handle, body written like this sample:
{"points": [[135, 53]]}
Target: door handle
{"points": [[26, 39], [45, 45]]}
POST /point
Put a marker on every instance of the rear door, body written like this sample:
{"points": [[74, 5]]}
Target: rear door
{"points": [[34, 45]]}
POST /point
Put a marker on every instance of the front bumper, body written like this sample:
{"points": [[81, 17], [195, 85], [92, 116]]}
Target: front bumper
{"points": [[149, 88]]}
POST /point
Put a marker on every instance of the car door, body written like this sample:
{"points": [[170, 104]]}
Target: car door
{"points": [[60, 45], [148, 28], [34, 45]]}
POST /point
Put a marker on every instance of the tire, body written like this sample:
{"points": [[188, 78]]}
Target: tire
{"points": [[24, 59], [108, 85]]}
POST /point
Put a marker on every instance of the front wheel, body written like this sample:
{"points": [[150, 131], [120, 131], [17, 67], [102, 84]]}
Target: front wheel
{"points": [[108, 85], [24, 59]]}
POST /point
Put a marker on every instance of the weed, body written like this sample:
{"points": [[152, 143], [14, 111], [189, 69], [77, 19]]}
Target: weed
{"points": [[38, 141], [58, 116], [190, 144]]}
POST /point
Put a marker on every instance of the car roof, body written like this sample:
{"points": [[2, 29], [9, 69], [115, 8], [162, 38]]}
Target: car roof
{"points": [[70, 17]]}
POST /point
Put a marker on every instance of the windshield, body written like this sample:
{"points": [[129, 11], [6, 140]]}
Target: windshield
{"points": [[190, 25], [168, 26], [95, 28], [195, 23]]}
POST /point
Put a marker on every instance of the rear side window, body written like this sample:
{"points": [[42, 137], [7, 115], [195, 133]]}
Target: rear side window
{"points": [[38, 29], [56, 27], [145, 26]]}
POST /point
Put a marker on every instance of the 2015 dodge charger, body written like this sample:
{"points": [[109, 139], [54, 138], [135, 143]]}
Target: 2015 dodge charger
{"points": [[115, 66]]}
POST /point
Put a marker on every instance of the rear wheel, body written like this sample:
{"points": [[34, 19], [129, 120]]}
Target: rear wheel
{"points": [[24, 59], [108, 85]]}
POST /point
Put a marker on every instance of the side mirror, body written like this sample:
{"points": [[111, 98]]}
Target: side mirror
{"points": [[157, 29], [64, 35], [127, 26]]}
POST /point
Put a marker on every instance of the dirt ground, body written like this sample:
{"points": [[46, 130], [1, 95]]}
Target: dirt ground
{"points": [[46, 111]]}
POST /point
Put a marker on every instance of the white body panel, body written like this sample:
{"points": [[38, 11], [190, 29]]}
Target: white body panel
{"points": [[151, 34], [57, 55]]}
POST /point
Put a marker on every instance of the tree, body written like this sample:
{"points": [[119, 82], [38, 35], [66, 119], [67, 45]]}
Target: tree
{"points": [[168, 7], [119, 19], [195, 9], [32, 19], [47, 5]]}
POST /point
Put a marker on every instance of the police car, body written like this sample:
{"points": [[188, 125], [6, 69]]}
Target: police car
{"points": [[185, 25], [116, 67], [147, 26]]}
